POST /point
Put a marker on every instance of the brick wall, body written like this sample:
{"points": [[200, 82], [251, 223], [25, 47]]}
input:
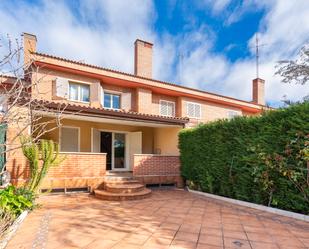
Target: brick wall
{"points": [[157, 169], [77, 170]]}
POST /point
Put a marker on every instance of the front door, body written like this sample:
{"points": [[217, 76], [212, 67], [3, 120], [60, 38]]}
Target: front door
{"points": [[113, 144], [106, 147]]}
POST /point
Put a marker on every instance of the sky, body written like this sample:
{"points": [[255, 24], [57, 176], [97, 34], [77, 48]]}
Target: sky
{"points": [[205, 44]]}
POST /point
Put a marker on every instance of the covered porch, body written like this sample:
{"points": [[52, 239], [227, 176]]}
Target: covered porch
{"points": [[144, 145]]}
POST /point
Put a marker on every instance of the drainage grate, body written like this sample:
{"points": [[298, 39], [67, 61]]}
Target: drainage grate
{"points": [[66, 190]]}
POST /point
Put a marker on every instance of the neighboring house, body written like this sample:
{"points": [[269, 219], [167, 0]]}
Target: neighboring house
{"points": [[116, 121]]}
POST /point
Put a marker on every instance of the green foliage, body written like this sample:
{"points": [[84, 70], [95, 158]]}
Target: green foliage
{"points": [[42, 155], [257, 159], [15, 201]]}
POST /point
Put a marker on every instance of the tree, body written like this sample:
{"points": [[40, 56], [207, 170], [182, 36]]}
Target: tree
{"points": [[296, 71], [18, 107]]}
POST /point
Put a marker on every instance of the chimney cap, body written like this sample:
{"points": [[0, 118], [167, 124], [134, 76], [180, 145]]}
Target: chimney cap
{"points": [[139, 40], [29, 36], [259, 79]]}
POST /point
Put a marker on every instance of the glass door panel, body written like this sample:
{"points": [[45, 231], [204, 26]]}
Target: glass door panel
{"points": [[119, 150]]}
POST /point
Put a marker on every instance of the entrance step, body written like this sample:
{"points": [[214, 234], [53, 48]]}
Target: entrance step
{"points": [[120, 188], [105, 195], [124, 188]]}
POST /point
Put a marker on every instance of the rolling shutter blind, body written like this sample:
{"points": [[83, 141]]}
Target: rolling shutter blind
{"points": [[126, 101], [167, 108], [193, 110], [69, 139], [61, 87]]}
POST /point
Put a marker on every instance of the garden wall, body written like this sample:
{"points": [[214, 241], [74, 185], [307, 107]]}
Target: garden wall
{"points": [[255, 159]]}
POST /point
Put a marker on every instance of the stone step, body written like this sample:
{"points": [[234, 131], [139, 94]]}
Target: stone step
{"points": [[124, 188], [105, 195], [118, 178], [116, 182]]}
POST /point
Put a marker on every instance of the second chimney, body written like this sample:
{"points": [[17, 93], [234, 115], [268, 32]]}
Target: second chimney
{"points": [[258, 91], [143, 58], [29, 47]]}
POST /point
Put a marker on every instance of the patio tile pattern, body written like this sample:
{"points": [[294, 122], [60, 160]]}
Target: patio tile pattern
{"points": [[170, 218]]}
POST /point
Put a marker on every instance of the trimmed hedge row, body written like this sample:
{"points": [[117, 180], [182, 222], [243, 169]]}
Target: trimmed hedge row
{"points": [[218, 157]]}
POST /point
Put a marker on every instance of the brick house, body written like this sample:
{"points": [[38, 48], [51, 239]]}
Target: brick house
{"points": [[116, 121]]}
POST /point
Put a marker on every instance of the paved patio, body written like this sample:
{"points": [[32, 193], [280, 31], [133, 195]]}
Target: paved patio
{"points": [[169, 219]]}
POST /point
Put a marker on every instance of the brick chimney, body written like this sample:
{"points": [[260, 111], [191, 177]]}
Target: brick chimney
{"points": [[258, 91], [143, 58], [29, 46]]}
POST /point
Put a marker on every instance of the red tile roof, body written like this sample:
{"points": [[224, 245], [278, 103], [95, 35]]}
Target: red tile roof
{"points": [[139, 77], [108, 113]]}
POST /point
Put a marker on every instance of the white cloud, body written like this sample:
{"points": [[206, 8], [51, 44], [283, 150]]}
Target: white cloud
{"points": [[284, 29], [103, 33]]}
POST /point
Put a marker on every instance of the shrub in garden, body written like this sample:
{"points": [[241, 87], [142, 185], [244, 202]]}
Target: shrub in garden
{"points": [[14, 201], [257, 159]]}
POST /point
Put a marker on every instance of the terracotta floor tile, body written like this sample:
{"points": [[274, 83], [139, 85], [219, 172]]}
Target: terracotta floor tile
{"points": [[232, 227], [211, 240], [168, 219], [260, 237], [235, 234], [262, 245], [164, 233], [288, 241], [211, 231], [169, 225], [101, 244], [186, 236], [205, 246], [180, 244], [191, 228]]}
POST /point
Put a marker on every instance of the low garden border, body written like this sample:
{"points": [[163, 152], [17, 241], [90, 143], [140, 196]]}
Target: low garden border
{"points": [[253, 205], [13, 229]]}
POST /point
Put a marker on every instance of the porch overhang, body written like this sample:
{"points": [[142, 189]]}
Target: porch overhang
{"points": [[72, 111]]}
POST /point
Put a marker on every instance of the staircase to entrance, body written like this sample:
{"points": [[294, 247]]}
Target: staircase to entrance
{"points": [[120, 186]]}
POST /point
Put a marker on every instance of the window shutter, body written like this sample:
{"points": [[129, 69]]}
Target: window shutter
{"points": [[163, 108], [125, 101], [167, 108], [95, 92], [61, 87], [193, 110]]}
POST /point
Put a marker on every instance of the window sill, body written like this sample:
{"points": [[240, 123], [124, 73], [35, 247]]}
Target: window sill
{"points": [[79, 101]]}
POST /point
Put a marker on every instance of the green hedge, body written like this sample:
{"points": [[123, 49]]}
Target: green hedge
{"points": [[223, 157]]}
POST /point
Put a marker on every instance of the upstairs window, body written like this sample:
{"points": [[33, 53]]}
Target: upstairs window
{"points": [[111, 101], [233, 114], [79, 92], [193, 110], [167, 108]]}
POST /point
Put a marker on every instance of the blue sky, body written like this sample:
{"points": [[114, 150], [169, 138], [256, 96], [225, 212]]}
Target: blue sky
{"points": [[206, 44]]}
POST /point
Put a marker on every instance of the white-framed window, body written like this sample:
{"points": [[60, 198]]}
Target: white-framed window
{"points": [[79, 92], [111, 101], [69, 139], [194, 110], [232, 114], [167, 108]]}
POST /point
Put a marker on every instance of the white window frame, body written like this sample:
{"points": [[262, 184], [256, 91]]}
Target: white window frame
{"points": [[194, 103], [78, 91], [232, 114], [170, 102], [111, 93], [60, 137]]}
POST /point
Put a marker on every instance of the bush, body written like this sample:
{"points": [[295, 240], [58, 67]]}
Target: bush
{"points": [[257, 159], [15, 201]]}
